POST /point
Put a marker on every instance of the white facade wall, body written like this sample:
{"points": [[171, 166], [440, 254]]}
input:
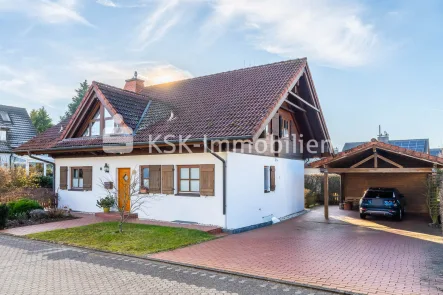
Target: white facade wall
{"points": [[247, 203], [204, 210]]}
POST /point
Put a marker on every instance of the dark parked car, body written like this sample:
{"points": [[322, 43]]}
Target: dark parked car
{"points": [[383, 202]]}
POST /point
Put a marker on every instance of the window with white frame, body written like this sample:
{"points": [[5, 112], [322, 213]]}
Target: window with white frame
{"points": [[267, 179], [189, 179], [77, 178]]}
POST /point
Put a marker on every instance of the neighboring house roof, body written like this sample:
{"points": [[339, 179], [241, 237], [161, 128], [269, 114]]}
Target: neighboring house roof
{"points": [[19, 127], [227, 105], [418, 145], [381, 145], [436, 152]]}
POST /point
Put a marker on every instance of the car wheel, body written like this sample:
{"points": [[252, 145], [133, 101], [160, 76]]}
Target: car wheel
{"points": [[362, 216]]}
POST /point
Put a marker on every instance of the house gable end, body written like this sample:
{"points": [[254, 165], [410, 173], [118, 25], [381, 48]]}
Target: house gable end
{"points": [[89, 106]]}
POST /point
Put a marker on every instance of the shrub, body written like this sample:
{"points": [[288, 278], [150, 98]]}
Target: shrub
{"points": [[45, 181], [57, 213], [315, 183], [4, 210], [11, 179], [38, 214], [22, 206], [433, 192], [106, 202], [21, 218], [310, 198]]}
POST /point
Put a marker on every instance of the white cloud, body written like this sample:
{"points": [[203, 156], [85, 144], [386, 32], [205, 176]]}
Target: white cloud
{"points": [[116, 72], [108, 3], [52, 12], [165, 16], [31, 85], [332, 32]]}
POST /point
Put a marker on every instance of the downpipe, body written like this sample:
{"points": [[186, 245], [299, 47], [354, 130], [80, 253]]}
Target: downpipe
{"points": [[224, 179]]}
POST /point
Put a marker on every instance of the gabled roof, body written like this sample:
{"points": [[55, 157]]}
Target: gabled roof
{"points": [[418, 145], [19, 128], [379, 145], [227, 105]]}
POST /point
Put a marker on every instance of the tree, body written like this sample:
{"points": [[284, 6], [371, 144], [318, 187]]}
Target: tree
{"points": [[73, 105], [128, 200], [41, 120]]}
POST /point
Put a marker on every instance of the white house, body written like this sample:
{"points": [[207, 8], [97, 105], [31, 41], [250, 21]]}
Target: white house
{"points": [[226, 149], [15, 129]]}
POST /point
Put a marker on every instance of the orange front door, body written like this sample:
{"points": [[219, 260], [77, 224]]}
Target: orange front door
{"points": [[124, 182]]}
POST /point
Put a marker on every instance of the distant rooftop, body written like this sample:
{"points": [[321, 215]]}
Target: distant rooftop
{"points": [[436, 152], [418, 145]]}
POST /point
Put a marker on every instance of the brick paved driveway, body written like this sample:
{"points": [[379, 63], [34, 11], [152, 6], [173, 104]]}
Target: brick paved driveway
{"points": [[32, 267], [346, 253]]}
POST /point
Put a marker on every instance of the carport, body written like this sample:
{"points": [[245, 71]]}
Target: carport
{"points": [[378, 164]]}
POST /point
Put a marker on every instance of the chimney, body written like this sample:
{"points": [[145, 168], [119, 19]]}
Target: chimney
{"points": [[134, 84], [382, 137]]}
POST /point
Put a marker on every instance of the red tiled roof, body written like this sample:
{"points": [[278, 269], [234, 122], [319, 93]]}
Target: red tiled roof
{"points": [[377, 144], [225, 105]]}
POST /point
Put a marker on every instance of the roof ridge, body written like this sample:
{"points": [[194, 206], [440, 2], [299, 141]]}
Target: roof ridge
{"points": [[231, 71], [121, 90], [12, 107]]}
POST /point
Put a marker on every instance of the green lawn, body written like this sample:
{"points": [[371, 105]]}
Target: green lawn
{"points": [[136, 239]]}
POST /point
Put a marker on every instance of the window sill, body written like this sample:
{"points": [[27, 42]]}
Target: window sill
{"points": [[78, 190], [187, 195]]}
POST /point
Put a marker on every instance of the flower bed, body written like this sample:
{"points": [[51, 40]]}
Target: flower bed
{"points": [[25, 212]]}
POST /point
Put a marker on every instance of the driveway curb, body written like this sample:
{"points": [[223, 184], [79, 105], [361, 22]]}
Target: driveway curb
{"points": [[296, 284]]}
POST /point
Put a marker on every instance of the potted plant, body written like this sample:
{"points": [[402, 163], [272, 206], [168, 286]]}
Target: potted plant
{"points": [[106, 203]]}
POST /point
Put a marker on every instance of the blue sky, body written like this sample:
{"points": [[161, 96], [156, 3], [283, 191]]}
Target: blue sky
{"points": [[373, 62]]}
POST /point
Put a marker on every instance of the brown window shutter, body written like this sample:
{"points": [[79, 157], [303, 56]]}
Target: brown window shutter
{"points": [[63, 177], [207, 180], [272, 178], [168, 179], [276, 124], [155, 180], [87, 178]]}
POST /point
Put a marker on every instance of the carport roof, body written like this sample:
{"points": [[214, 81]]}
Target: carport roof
{"points": [[380, 145]]}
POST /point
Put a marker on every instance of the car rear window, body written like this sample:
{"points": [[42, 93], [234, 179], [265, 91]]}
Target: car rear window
{"points": [[379, 194]]}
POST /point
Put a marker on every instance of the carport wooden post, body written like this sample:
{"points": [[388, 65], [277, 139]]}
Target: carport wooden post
{"points": [[326, 193]]}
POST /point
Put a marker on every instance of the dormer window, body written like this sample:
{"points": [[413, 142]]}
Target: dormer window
{"points": [[101, 123], [2, 135], [5, 117]]}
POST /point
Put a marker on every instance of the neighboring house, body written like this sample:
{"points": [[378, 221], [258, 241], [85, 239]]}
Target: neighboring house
{"points": [[15, 129], [438, 152], [237, 180], [418, 145]]}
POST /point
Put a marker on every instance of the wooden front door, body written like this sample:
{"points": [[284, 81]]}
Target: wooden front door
{"points": [[124, 182]]}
